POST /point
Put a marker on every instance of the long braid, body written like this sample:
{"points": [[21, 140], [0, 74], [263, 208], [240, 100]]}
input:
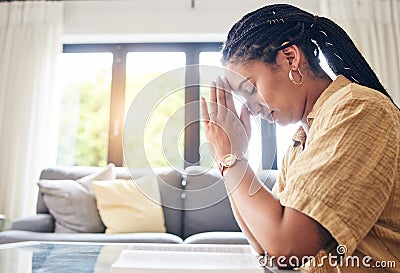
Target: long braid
{"points": [[343, 56], [260, 34]]}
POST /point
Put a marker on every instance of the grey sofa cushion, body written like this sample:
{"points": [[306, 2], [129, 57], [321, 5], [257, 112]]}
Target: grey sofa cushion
{"points": [[42, 222], [207, 206], [72, 202], [71, 205], [62, 173], [230, 238], [170, 185], [12, 236]]}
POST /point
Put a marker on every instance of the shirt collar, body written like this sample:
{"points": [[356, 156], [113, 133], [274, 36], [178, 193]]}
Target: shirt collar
{"points": [[299, 137], [341, 81]]}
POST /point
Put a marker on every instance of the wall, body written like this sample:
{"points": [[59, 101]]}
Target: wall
{"points": [[157, 20]]}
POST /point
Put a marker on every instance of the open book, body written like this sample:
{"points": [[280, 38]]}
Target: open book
{"points": [[168, 258]]}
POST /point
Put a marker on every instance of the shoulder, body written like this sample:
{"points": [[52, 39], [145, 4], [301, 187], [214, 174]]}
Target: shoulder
{"points": [[357, 100], [358, 94]]}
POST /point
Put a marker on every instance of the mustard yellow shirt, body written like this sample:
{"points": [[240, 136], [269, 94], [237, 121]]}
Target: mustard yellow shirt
{"points": [[347, 176]]}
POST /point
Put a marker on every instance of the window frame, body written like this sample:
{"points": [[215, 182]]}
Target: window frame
{"points": [[192, 93]]}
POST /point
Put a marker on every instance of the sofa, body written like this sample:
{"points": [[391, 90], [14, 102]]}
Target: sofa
{"points": [[195, 206]]}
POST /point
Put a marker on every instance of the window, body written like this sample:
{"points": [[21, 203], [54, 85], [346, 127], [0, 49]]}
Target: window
{"points": [[130, 67], [85, 108], [101, 81], [142, 68]]}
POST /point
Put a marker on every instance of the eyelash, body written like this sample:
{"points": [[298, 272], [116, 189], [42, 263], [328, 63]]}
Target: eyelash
{"points": [[253, 91]]}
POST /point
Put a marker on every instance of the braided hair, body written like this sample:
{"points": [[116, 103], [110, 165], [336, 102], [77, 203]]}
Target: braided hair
{"points": [[259, 35]]}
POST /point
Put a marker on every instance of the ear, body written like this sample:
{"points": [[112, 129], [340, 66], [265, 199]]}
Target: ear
{"points": [[291, 56]]}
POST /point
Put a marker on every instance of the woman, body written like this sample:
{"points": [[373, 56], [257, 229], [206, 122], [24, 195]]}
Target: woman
{"points": [[339, 188]]}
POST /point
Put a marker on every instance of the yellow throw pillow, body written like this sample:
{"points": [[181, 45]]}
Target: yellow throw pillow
{"points": [[126, 206]]}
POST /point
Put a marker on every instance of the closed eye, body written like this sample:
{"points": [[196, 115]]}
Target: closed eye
{"points": [[253, 91]]}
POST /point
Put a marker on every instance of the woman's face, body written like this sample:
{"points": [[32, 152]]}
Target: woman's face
{"points": [[267, 91]]}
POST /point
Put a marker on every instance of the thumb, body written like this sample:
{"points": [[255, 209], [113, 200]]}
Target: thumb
{"points": [[245, 119]]}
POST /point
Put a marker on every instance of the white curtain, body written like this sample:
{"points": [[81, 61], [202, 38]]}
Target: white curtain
{"points": [[30, 44], [374, 26]]}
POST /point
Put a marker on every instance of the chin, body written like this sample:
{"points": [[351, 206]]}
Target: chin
{"points": [[282, 122]]}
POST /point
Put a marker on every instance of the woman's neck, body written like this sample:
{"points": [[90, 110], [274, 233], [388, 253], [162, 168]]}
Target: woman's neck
{"points": [[314, 88]]}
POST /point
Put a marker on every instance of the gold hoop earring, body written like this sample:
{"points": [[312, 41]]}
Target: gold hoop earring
{"points": [[292, 79]]}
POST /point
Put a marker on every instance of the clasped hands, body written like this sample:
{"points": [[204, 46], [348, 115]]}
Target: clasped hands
{"points": [[225, 130]]}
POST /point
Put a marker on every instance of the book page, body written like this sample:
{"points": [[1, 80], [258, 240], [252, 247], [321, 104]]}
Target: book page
{"points": [[187, 258], [192, 248]]}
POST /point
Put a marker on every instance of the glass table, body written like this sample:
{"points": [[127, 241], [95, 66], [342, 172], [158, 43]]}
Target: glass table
{"points": [[63, 257], [35, 257]]}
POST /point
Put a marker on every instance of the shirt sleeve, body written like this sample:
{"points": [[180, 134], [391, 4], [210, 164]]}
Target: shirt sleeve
{"points": [[345, 174], [291, 153]]}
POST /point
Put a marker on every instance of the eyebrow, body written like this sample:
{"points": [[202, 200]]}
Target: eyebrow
{"points": [[242, 82]]}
